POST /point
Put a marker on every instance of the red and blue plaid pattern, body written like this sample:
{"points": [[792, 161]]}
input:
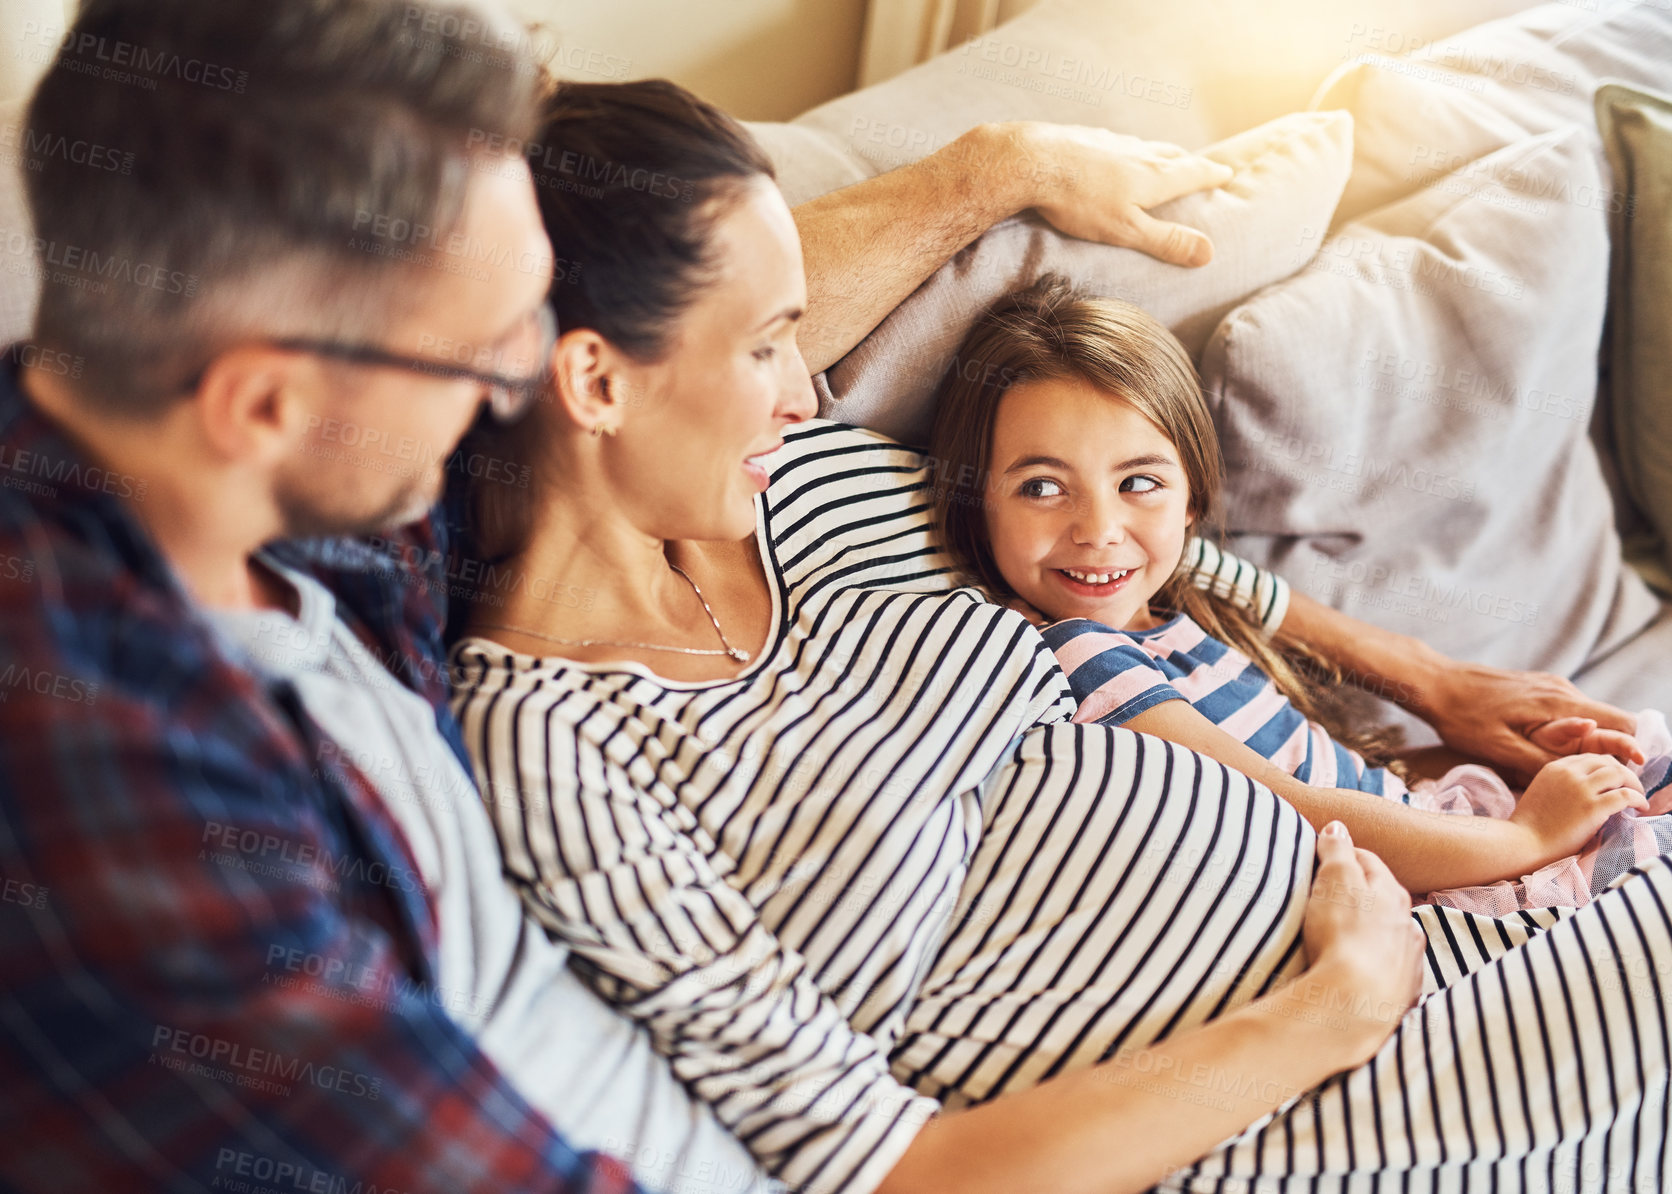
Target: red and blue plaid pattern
{"points": [[216, 963]]}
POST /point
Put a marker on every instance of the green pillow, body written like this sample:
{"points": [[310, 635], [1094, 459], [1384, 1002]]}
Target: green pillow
{"points": [[1637, 133]]}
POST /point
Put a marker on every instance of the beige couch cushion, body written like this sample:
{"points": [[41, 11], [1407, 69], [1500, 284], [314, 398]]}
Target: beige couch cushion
{"points": [[1636, 130], [19, 278], [1420, 118], [1265, 223], [1405, 423], [1422, 124], [1191, 72], [809, 164]]}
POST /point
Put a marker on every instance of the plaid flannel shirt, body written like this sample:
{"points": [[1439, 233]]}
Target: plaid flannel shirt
{"points": [[217, 964]]}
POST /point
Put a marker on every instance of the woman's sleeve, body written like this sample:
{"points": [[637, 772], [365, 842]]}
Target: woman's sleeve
{"points": [[1262, 593], [631, 883]]}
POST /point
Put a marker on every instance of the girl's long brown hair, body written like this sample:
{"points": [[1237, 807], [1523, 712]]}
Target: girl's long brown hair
{"points": [[1051, 332]]}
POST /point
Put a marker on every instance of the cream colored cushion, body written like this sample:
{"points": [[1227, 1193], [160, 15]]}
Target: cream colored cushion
{"points": [[1265, 224], [19, 276], [1191, 72], [808, 163], [1405, 423], [1637, 133], [1420, 118]]}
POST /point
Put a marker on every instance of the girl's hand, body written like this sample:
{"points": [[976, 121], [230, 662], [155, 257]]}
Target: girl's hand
{"points": [[1568, 801], [1582, 735], [1364, 946]]}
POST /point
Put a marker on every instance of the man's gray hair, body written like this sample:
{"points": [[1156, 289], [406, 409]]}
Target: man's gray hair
{"points": [[285, 168]]}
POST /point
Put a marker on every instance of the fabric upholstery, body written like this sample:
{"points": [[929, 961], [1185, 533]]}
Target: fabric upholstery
{"points": [[1264, 223], [1636, 130], [1405, 422]]}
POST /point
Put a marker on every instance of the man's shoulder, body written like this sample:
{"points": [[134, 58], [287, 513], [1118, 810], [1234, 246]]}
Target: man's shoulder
{"points": [[83, 622], [393, 588]]}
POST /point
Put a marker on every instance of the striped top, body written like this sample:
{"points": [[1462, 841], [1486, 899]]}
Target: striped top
{"points": [[1117, 674], [761, 870]]}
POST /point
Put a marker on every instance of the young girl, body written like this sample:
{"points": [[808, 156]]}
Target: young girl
{"points": [[1081, 459]]}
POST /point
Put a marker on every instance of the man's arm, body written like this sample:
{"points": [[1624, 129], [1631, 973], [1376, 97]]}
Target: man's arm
{"points": [[870, 245], [1482, 712], [194, 992]]}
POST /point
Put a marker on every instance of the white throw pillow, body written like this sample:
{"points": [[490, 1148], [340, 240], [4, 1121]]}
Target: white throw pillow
{"points": [[19, 273], [1421, 117], [1264, 223], [1405, 422]]}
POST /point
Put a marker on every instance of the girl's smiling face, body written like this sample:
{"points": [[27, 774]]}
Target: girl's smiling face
{"points": [[1087, 505]]}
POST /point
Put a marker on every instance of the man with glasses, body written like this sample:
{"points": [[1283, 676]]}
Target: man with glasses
{"points": [[253, 929], [511, 372], [254, 932]]}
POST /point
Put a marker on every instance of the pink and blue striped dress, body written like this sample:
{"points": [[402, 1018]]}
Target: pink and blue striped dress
{"points": [[1117, 674]]}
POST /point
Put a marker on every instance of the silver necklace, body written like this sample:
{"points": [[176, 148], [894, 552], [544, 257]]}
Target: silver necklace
{"points": [[737, 653]]}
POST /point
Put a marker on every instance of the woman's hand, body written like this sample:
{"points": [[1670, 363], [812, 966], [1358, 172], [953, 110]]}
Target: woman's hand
{"points": [[1097, 185], [1517, 721], [1568, 801], [1366, 950], [1121, 1126]]}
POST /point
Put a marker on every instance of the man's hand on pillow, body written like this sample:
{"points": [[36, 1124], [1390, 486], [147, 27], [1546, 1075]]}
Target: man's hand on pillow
{"points": [[1519, 721], [1096, 185]]}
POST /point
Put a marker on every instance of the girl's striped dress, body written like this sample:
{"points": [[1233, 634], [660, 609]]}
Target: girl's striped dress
{"points": [[1117, 674]]}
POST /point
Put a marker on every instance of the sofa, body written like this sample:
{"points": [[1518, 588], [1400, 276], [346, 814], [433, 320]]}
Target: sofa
{"points": [[1415, 324], [1416, 307]]}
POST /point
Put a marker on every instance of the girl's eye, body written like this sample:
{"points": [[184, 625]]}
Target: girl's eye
{"points": [[1140, 484], [765, 353], [1040, 487]]}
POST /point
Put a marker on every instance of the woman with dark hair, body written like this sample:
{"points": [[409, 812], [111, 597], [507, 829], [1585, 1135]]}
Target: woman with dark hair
{"points": [[817, 818]]}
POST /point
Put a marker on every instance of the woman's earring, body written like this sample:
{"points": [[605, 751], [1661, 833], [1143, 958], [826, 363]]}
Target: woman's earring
{"points": [[604, 392]]}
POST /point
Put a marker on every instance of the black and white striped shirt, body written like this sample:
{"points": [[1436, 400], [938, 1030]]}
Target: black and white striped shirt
{"points": [[767, 871]]}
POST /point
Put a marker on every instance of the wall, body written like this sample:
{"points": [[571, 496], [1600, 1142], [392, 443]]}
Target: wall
{"points": [[28, 31], [757, 59]]}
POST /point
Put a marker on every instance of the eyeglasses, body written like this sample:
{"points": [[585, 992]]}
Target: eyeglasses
{"points": [[509, 395]]}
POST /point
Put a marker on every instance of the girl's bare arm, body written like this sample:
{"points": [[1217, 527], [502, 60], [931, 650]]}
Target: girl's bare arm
{"points": [[1425, 851]]}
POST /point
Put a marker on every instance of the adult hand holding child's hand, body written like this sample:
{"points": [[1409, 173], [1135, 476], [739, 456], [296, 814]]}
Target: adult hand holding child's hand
{"points": [[1518, 721], [1568, 801], [1582, 735]]}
